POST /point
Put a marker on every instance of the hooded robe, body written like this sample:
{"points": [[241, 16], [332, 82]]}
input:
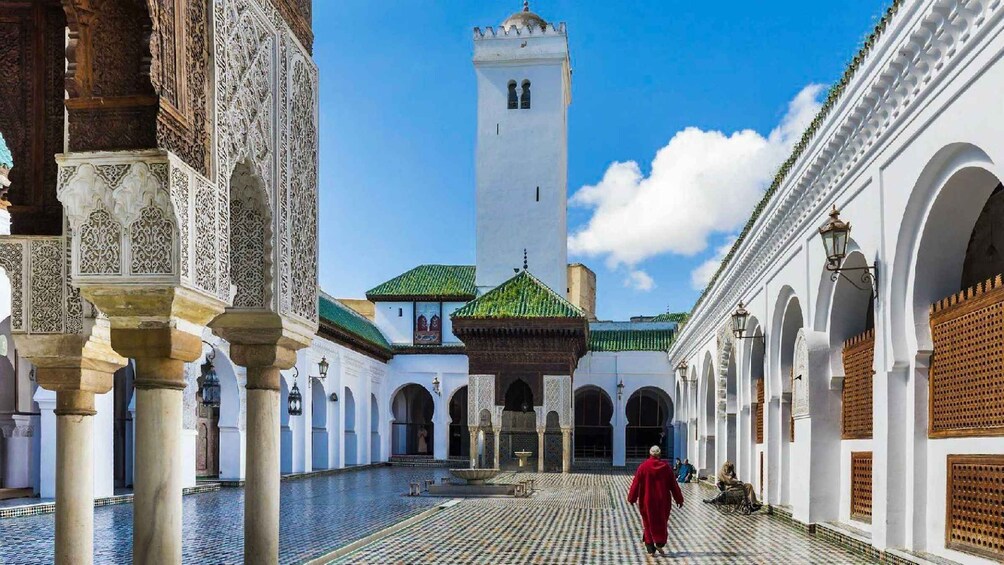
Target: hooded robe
{"points": [[652, 487]]}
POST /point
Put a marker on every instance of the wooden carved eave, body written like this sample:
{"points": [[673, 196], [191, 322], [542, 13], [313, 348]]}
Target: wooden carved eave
{"points": [[533, 346]]}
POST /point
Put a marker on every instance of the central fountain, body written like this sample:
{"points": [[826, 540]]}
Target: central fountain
{"points": [[475, 480]]}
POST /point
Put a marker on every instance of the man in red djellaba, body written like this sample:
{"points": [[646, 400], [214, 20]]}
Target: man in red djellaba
{"points": [[652, 488]]}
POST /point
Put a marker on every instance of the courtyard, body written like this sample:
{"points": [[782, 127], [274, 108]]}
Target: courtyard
{"points": [[575, 518]]}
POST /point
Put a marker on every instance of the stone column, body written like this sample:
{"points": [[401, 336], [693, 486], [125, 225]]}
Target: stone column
{"points": [[497, 432], [540, 449], [474, 447], [261, 491], [566, 450], [76, 367], [160, 354]]}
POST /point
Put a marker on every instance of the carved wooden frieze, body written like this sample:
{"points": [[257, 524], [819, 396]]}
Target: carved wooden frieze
{"points": [[31, 110]]}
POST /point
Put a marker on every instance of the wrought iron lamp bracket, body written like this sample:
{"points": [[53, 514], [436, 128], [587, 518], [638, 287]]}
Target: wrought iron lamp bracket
{"points": [[869, 277]]}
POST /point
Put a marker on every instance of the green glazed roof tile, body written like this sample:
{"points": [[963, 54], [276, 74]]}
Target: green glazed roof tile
{"points": [[346, 319], [522, 296], [631, 336], [433, 282]]}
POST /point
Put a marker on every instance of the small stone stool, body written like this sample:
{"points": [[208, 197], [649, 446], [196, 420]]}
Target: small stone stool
{"points": [[415, 490], [444, 480], [429, 483], [518, 490]]}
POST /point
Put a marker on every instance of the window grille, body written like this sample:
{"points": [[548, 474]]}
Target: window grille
{"points": [[967, 369], [856, 417], [861, 486], [973, 521]]}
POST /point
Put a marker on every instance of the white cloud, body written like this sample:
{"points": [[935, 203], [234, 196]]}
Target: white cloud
{"points": [[701, 183], [639, 280], [701, 276]]}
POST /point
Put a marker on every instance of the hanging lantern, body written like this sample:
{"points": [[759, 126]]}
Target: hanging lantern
{"points": [[739, 319], [210, 382], [435, 385], [295, 400], [323, 367], [682, 370], [835, 235], [620, 390]]}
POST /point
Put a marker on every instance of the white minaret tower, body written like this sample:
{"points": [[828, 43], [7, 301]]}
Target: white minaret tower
{"points": [[524, 89]]}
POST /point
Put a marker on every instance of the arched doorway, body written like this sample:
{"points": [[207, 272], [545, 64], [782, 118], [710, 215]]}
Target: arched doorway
{"points": [[122, 442], [593, 432], [519, 424], [708, 420], [785, 424], [753, 465], [649, 418], [351, 444], [375, 455], [319, 426], [207, 424], [413, 431], [459, 435], [731, 409]]}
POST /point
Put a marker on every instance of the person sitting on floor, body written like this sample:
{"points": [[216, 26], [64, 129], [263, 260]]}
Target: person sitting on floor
{"points": [[727, 480], [686, 472]]}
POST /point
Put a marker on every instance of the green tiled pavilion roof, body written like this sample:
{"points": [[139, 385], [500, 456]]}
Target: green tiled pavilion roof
{"points": [[522, 296], [431, 282], [630, 340], [344, 318]]}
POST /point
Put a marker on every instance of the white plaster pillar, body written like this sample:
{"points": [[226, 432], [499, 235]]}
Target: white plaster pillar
{"points": [[566, 450], [497, 433], [474, 447], [889, 448], [441, 426], [620, 436], [46, 400], [540, 449], [104, 445], [233, 454], [19, 461]]}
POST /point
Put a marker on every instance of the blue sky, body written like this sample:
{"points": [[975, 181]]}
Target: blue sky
{"points": [[722, 88]]}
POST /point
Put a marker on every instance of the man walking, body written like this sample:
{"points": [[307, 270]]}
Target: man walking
{"points": [[652, 488]]}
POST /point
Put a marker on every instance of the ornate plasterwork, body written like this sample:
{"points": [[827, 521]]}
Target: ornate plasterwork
{"points": [[558, 398], [480, 396], [893, 78], [800, 377], [726, 349], [41, 300], [266, 97]]}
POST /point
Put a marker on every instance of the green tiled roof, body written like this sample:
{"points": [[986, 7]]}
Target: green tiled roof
{"points": [[347, 320], [433, 282], [620, 336], [678, 317], [522, 296]]}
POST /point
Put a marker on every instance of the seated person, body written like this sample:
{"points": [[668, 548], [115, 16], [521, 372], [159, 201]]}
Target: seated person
{"points": [[727, 480], [686, 472], [676, 466]]}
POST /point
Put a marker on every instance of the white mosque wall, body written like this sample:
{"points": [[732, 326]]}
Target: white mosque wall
{"points": [[910, 169], [396, 320], [404, 370]]}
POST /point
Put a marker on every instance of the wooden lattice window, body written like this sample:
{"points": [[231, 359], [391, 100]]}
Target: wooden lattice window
{"points": [[966, 385], [861, 486], [856, 417], [973, 519], [758, 410]]}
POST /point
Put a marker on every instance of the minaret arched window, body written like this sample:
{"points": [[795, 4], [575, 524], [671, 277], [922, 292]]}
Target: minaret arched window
{"points": [[524, 99], [513, 102]]}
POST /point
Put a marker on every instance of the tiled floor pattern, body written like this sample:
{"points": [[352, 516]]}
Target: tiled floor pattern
{"points": [[318, 515], [586, 519]]}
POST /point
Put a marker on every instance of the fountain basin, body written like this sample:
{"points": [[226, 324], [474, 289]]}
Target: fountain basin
{"points": [[475, 476]]}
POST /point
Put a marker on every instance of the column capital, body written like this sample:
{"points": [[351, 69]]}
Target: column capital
{"points": [[160, 354]]}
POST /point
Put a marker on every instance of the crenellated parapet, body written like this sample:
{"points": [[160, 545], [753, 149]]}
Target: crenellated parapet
{"points": [[491, 32]]}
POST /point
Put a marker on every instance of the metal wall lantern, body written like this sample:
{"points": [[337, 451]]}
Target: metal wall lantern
{"points": [[294, 403], [620, 390], [322, 367], [435, 385], [681, 369], [740, 319], [835, 235], [210, 380], [333, 397]]}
